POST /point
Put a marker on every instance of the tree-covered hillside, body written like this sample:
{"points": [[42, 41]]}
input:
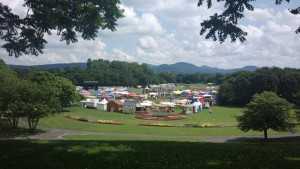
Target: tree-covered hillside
{"points": [[239, 88], [120, 73]]}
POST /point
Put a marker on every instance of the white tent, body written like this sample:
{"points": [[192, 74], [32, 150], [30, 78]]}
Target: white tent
{"points": [[170, 104], [102, 105], [146, 103], [188, 109], [91, 103], [177, 92], [181, 102], [197, 106], [103, 101]]}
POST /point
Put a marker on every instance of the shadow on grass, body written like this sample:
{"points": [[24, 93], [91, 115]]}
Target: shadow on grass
{"points": [[287, 139], [9, 133], [147, 155]]}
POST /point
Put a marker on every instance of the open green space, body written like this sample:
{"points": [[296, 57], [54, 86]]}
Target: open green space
{"points": [[148, 155], [132, 130]]}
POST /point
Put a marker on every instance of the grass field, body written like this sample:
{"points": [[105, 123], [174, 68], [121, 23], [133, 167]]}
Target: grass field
{"points": [[132, 130], [147, 155], [138, 147]]}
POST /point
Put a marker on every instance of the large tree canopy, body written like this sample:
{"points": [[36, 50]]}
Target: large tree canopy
{"points": [[219, 27], [32, 96], [26, 34], [266, 111], [238, 88]]}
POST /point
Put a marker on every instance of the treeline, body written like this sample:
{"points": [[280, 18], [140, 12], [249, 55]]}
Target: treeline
{"points": [[111, 73], [238, 89], [31, 97], [191, 78]]}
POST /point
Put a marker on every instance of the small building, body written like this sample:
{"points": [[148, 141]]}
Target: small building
{"points": [[114, 106], [129, 106], [208, 100], [102, 105], [163, 89]]}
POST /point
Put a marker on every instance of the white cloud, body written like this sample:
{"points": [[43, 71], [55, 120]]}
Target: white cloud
{"points": [[59, 52], [148, 42], [121, 56], [132, 23], [16, 6]]}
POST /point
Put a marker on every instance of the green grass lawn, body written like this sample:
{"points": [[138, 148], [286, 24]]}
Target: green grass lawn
{"points": [[132, 146], [147, 155], [131, 130]]}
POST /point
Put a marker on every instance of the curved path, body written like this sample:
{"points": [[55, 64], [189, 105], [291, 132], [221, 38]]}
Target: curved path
{"points": [[59, 134]]}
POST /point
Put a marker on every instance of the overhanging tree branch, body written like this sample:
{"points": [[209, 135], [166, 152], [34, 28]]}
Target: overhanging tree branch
{"points": [[219, 27], [67, 17]]}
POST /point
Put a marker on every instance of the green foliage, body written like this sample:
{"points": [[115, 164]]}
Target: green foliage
{"points": [[32, 102], [95, 154], [128, 74], [297, 98], [298, 115], [148, 154], [8, 84], [239, 88], [39, 95], [8, 81], [110, 73], [2, 64], [219, 27], [63, 88], [236, 90], [25, 35], [266, 111]]}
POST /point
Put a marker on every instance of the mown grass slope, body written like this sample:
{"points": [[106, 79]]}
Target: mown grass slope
{"points": [[223, 116], [147, 155]]}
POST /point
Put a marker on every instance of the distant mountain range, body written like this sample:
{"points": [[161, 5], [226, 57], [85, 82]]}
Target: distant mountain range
{"points": [[180, 67], [187, 68], [51, 66]]}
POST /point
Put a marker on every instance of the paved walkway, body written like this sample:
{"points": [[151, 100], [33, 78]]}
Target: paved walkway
{"points": [[59, 134]]}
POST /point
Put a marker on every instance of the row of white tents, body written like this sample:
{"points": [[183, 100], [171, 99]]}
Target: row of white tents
{"points": [[102, 105]]}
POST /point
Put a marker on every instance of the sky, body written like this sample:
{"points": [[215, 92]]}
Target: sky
{"points": [[167, 31]]}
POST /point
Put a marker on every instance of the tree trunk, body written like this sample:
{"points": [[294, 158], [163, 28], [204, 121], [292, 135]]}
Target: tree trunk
{"points": [[266, 134], [13, 122], [32, 123]]}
